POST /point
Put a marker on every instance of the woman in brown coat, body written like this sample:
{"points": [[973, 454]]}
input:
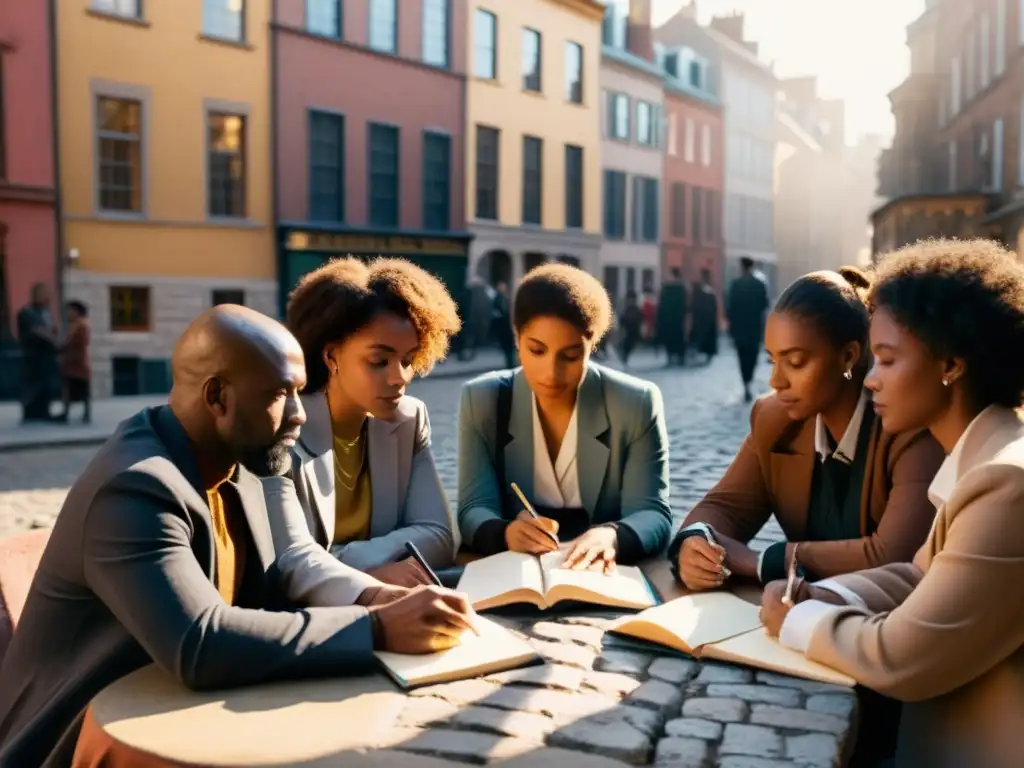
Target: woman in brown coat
{"points": [[846, 494]]}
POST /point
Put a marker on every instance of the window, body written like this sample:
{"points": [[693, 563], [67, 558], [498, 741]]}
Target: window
{"points": [[119, 133], [323, 17], [533, 160], [485, 45], [709, 212], [678, 209], [697, 74], [619, 116], [531, 60], [647, 280], [573, 187], [437, 181], [1000, 63], [615, 205], [129, 9], [645, 210], [435, 32], [383, 146], [224, 19], [644, 129], [129, 308], [954, 83], [574, 73], [326, 167], [695, 201], [997, 155], [984, 55], [688, 140], [486, 172], [673, 149], [227, 296], [1020, 20], [226, 164], [705, 145], [970, 83], [383, 25], [615, 24]]}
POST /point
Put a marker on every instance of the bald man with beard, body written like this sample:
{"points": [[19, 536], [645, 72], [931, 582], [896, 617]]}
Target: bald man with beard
{"points": [[163, 552]]}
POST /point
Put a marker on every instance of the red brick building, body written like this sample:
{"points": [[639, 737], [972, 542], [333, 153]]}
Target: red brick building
{"points": [[369, 123], [694, 180], [956, 167], [28, 226]]}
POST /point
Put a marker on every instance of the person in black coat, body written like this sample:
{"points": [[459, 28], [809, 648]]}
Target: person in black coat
{"points": [[704, 328], [748, 302], [671, 330]]}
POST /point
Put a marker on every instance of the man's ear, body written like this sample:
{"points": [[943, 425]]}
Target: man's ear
{"points": [[215, 396]]}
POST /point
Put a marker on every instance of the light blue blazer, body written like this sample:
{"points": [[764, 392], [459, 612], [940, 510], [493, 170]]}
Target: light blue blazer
{"points": [[622, 453]]}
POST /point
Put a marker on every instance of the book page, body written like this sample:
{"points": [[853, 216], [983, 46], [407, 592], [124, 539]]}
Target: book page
{"points": [[759, 649], [626, 587], [501, 579], [693, 621], [494, 649]]}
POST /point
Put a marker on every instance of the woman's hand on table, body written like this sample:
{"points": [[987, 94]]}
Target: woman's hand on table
{"points": [[404, 573], [702, 564], [595, 550], [424, 620], [774, 610], [532, 535]]}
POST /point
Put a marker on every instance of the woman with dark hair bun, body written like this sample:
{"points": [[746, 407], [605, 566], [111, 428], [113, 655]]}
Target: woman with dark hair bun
{"points": [[847, 494], [945, 634]]}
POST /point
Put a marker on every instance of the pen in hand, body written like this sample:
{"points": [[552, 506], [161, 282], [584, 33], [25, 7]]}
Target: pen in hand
{"points": [[787, 599], [530, 510], [414, 552]]}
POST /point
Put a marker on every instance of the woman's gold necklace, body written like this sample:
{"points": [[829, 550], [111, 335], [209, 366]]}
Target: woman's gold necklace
{"points": [[344, 474]]}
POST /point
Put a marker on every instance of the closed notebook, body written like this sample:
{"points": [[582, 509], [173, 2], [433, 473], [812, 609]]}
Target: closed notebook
{"points": [[495, 649], [719, 625], [513, 577]]}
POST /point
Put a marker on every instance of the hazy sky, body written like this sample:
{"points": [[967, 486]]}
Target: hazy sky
{"points": [[857, 48]]}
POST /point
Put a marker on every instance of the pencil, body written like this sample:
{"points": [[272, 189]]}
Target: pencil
{"points": [[787, 598], [526, 504]]}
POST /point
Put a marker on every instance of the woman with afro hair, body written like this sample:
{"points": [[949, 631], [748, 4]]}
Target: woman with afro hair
{"points": [[363, 468], [586, 445], [944, 634]]}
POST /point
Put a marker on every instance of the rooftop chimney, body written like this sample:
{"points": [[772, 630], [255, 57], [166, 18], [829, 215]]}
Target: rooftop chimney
{"points": [[639, 37], [730, 26]]}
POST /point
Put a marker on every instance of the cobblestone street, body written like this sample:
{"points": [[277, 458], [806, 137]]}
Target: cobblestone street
{"points": [[707, 420]]}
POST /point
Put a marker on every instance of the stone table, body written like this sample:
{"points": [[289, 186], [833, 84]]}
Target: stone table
{"points": [[613, 702]]}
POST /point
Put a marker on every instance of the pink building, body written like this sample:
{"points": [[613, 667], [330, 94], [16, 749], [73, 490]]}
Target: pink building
{"points": [[369, 123], [28, 225]]}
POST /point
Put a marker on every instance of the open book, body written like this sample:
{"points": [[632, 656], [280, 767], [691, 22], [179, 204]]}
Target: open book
{"points": [[495, 649], [719, 625], [514, 577]]}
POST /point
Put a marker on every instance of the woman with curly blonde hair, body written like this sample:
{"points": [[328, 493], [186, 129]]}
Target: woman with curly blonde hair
{"points": [[362, 467]]}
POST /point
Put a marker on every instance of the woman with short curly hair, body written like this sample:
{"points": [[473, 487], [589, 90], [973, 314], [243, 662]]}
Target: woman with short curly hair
{"points": [[585, 444], [945, 633], [363, 467]]}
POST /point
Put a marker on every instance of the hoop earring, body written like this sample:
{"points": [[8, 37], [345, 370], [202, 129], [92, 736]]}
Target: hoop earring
{"points": [[848, 375]]}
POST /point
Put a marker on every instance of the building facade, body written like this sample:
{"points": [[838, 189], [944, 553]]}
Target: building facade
{"points": [[28, 227], [371, 164], [746, 87], [165, 172], [956, 166], [693, 196], [533, 128], [632, 129]]}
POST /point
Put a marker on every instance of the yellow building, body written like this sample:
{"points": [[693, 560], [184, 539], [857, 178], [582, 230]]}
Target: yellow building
{"points": [[165, 172], [533, 166]]}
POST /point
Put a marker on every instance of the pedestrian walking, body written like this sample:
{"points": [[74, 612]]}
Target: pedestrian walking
{"points": [[75, 369], [748, 302], [672, 319]]}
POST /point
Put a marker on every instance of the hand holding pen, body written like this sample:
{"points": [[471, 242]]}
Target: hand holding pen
{"points": [[529, 532]]}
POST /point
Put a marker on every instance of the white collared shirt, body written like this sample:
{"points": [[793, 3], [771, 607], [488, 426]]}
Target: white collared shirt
{"points": [[846, 450], [558, 484]]}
